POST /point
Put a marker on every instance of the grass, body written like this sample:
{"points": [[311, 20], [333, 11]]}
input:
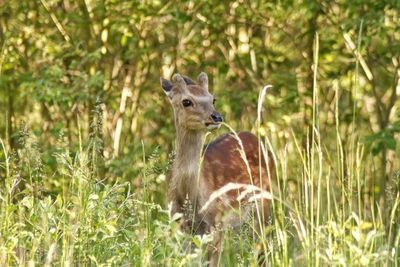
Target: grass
{"points": [[321, 213], [321, 220]]}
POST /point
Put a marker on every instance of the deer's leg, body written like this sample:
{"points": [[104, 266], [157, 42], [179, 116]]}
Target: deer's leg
{"points": [[215, 246], [175, 205]]}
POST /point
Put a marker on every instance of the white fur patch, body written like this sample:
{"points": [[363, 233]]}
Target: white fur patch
{"points": [[205, 98], [213, 126]]}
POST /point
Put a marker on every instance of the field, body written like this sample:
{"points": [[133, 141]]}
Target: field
{"points": [[87, 135]]}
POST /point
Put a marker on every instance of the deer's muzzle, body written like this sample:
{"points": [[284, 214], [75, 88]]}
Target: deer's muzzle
{"points": [[216, 117]]}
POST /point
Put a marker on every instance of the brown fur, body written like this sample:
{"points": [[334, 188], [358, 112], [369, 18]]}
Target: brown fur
{"points": [[223, 162]]}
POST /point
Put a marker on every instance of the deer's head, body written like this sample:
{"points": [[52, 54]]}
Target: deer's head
{"points": [[192, 103]]}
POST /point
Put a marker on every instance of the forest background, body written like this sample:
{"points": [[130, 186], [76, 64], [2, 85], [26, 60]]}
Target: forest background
{"points": [[82, 78]]}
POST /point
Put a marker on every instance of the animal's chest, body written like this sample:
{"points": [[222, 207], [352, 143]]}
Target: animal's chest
{"points": [[187, 180]]}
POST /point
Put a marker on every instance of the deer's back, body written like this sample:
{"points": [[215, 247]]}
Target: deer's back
{"points": [[223, 164]]}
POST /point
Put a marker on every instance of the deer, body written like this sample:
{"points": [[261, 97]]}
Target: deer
{"points": [[200, 171]]}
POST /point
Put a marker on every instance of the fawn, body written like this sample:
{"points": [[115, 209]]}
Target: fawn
{"points": [[197, 173]]}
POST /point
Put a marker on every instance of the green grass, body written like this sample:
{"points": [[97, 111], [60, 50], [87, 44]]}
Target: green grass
{"points": [[321, 214], [321, 211], [321, 219]]}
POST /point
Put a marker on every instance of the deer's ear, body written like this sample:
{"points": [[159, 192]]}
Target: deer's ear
{"points": [[178, 80], [166, 86], [203, 80]]}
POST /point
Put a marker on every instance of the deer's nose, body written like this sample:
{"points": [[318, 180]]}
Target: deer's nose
{"points": [[216, 117]]}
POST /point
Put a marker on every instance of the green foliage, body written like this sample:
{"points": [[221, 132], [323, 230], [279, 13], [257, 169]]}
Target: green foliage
{"points": [[87, 134], [384, 139], [94, 222]]}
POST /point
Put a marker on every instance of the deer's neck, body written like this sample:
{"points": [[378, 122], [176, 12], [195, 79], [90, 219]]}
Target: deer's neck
{"points": [[186, 164]]}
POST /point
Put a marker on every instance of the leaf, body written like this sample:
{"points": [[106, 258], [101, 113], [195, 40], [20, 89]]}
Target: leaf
{"points": [[396, 126], [59, 201], [368, 139], [376, 149], [93, 197], [124, 40], [390, 143], [27, 202]]}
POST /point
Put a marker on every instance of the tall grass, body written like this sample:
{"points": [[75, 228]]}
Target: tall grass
{"points": [[322, 218], [320, 213]]}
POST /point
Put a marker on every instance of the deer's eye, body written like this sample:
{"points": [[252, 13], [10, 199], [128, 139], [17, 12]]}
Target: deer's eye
{"points": [[186, 103]]}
